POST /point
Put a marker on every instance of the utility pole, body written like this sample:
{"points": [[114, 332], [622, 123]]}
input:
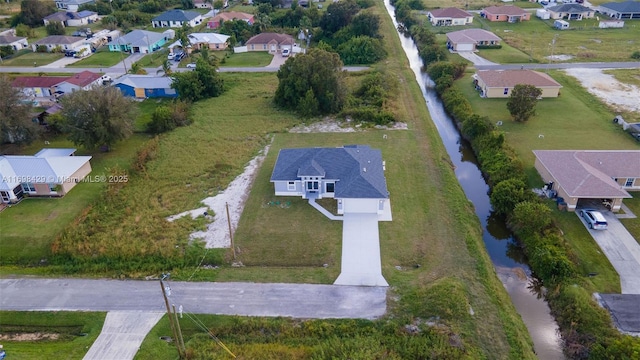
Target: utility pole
{"points": [[172, 325], [553, 46], [233, 248], [180, 338]]}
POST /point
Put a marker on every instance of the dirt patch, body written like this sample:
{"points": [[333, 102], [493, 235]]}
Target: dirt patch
{"points": [[559, 57], [622, 97], [37, 336]]}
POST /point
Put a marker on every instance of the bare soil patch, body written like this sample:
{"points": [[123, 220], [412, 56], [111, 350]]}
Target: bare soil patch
{"points": [[622, 97], [36, 336]]}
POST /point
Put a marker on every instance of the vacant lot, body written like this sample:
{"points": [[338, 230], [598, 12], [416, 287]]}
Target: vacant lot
{"points": [[48, 335], [30, 58], [102, 58]]}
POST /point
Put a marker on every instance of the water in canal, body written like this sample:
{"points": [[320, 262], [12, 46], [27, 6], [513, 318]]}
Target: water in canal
{"points": [[514, 273]]}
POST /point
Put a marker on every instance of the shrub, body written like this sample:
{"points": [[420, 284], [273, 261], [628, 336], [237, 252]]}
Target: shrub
{"points": [[530, 217], [550, 263], [441, 68], [488, 46], [636, 55], [361, 50], [507, 194], [161, 120], [476, 125]]}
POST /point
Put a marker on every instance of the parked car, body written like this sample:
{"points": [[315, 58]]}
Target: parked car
{"points": [[544, 3], [594, 219], [178, 57], [191, 66], [285, 52], [105, 79]]}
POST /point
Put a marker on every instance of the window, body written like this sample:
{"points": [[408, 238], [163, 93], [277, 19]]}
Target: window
{"points": [[264, 47], [28, 187], [506, 91], [331, 187], [629, 182], [52, 187], [252, 47], [312, 185], [4, 196], [291, 185]]}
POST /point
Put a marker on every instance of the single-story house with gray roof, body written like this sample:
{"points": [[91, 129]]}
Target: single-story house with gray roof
{"points": [[69, 18], [145, 86], [353, 175], [138, 41], [16, 42], [625, 10], [570, 12], [50, 172], [176, 18], [469, 39], [59, 42], [585, 175]]}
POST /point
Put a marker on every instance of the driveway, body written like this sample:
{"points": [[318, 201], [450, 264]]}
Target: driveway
{"points": [[248, 299], [622, 250], [475, 58]]}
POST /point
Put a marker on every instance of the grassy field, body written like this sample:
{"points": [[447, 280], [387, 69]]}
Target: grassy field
{"points": [[155, 59], [29, 227], [29, 58], [625, 76], [23, 334], [101, 58]]}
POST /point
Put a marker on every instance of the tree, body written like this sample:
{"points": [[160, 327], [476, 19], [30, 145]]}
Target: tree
{"points": [[182, 34], [55, 28], [362, 50], [522, 102], [98, 117], [26, 31], [319, 71], [338, 15], [366, 24], [187, 4], [166, 68], [136, 68], [33, 11], [202, 83], [218, 4], [507, 194], [6, 50], [16, 125]]}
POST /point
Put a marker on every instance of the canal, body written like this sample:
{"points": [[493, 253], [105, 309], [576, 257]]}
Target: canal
{"points": [[507, 259]]}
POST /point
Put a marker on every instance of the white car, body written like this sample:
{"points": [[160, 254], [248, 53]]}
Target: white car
{"points": [[285, 52], [594, 219], [191, 66]]}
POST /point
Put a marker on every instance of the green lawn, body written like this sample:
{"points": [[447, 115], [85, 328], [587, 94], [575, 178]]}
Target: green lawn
{"points": [[585, 41], [102, 58], [154, 59], [248, 59], [29, 58], [506, 55], [74, 332], [633, 225]]}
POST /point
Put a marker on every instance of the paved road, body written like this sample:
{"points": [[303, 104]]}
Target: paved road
{"points": [[249, 299], [624, 309], [594, 65]]}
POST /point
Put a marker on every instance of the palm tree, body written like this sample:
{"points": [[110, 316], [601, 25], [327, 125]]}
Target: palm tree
{"points": [[136, 68], [208, 58], [166, 68]]}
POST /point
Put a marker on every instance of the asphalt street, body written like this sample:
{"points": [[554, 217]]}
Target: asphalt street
{"points": [[249, 299]]}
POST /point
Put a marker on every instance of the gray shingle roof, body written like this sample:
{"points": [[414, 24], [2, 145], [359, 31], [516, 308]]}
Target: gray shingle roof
{"points": [[138, 38], [176, 15], [145, 81], [59, 39], [624, 7], [358, 169], [472, 36], [569, 8]]}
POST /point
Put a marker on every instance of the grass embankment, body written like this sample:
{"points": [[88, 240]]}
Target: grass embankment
{"points": [[48, 335], [590, 126], [633, 225]]}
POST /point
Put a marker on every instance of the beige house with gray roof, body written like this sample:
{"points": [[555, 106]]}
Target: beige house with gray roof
{"points": [[587, 175], [500, 83], [470, 39]]}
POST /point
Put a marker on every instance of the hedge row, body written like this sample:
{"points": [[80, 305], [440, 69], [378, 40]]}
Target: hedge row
{"points": [[586, 327]]}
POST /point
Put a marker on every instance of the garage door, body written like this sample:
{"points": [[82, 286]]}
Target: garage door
{"points": [[464, 47]]}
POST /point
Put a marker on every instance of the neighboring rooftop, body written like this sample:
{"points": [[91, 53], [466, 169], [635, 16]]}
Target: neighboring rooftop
{"points": [[177, 15], [358, 169], [590, 173], [138, 38], [50, 165], [569, 8], [59, 39], [451, 12], [472, 35], [83, 78], [231, 15], [266, 38], [8, 39], [511, 78], [623, 7], [145, 81]]}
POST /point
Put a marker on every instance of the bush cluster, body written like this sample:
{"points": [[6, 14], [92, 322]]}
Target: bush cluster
{"points": [[586, 327], [370, 101]]}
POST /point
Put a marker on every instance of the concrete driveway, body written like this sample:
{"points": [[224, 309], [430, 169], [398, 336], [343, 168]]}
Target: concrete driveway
{"points": [[622, 250], [475, 58]]}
